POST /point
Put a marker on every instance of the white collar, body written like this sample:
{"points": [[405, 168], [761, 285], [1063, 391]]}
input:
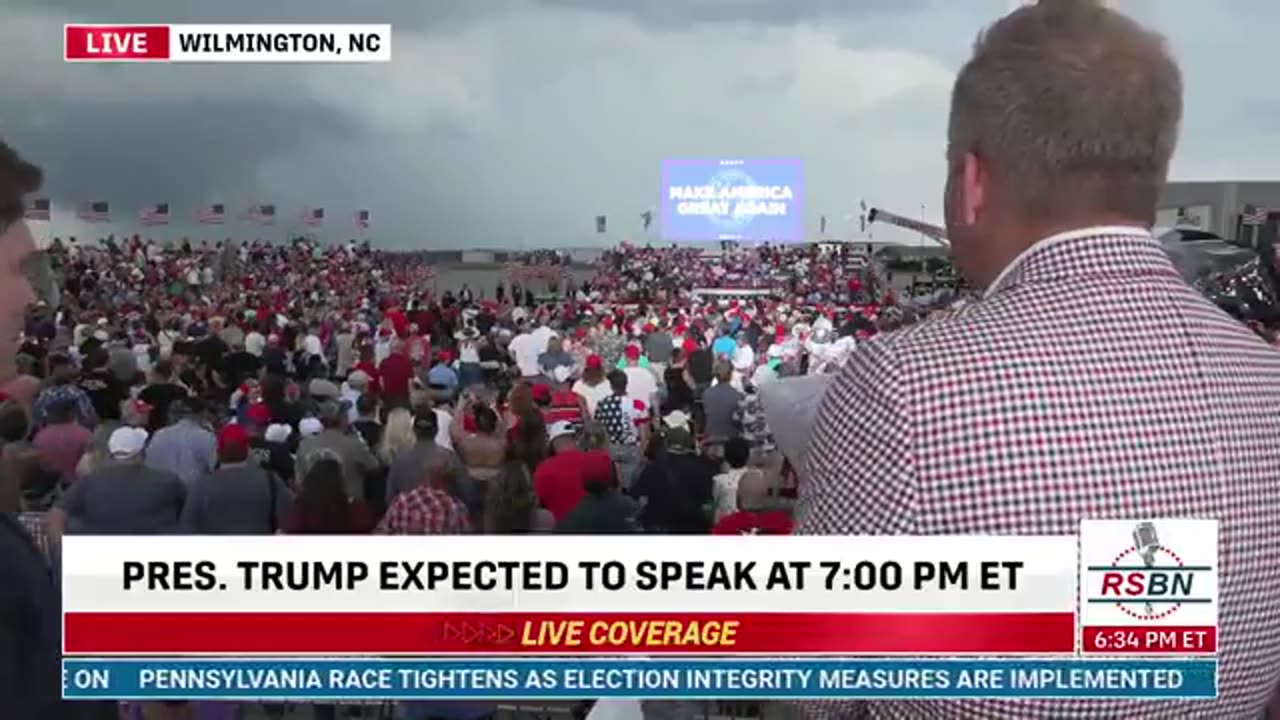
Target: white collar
{"points": [[1057, 238]]}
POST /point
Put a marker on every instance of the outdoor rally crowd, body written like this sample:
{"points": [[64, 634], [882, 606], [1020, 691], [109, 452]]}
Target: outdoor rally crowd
{"points": [[256, 389], [253, 389]]}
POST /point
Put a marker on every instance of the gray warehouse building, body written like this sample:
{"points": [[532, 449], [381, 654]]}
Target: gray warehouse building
{"points": [[1219, 207]]}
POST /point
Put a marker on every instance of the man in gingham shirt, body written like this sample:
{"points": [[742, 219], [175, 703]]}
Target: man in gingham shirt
{"points": [[1090, 381]]}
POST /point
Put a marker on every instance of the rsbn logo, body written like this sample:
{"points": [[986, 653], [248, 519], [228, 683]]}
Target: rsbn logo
{"points": [[1147, 581]]}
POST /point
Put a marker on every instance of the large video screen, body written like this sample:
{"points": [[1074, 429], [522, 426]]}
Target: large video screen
{"points": [[752, 200]]}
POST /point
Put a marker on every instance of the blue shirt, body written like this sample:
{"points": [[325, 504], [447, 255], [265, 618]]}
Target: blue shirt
{"points": [[185, 449], [442, 376], [724, 345]]}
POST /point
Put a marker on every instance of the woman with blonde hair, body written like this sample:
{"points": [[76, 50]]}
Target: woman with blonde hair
{"points": [[397, 435]]}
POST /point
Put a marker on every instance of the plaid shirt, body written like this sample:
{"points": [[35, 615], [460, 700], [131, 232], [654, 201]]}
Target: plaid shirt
{"points": [[57, 394], [1091, 382], [425, 511]]}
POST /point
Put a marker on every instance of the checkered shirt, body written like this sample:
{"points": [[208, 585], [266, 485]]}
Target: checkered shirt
{"points": [[425, 511], [1091, 383]]}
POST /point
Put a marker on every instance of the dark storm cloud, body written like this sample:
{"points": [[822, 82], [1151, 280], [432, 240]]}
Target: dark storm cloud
{"points": [[431, 14], [187, 154], [668, 13]]}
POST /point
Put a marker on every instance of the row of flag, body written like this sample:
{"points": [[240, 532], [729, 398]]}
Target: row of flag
{"points": [[602, 221], [99, 211]]}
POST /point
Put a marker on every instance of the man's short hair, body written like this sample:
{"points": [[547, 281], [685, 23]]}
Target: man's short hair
{"points": [[1073, 106], [617, 381], [425, 422], [18, 178], [724, 372]]}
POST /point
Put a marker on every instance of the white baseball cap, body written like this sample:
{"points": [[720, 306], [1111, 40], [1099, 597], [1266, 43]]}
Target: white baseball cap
{"points": [[560, 429], [126, 442]]}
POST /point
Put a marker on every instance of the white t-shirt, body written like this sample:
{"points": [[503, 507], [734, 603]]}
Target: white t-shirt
{"points": [[641, 384], [525, 349], [541, 336], [468, 352], [592, 394], [443, 421], [724, 491]]}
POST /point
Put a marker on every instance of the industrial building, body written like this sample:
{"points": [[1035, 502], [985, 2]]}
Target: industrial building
{"points": [[1222, 207]]}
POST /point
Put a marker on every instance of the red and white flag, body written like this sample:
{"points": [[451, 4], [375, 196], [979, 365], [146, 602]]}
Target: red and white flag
{"points": [[261, 214], [311, 217], [154, 215], [215, 214], [98, 211], [38, 209]]}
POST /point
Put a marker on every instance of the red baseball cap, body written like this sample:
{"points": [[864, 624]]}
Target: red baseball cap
{"points": [[541, 392], [233, 437], [633, 352], [597, 467], [594, 362]]}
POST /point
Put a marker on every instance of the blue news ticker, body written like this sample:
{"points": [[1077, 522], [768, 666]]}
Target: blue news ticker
{"points": [[568, 679]]}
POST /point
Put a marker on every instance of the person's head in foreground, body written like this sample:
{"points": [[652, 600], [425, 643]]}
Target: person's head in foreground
{"points": [[233, 444], [127, 444], [563, 436], [1064, 118], [18, 178]]}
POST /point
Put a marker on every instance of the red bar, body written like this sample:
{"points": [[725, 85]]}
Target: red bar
{"points": [[115, 42], [93, 633], [1154, 640]]}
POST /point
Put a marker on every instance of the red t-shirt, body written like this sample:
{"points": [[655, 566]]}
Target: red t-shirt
{"points": [[564, 408], [396, 372], [773, 522], [399, 322], [558, 482]]}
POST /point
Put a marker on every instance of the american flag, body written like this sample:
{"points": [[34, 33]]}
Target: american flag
{"points": [[311, 217], [261, 214], [37, 210], [153, 215], [214, 214], [98, 211], [1254, 215], [362, 219]]}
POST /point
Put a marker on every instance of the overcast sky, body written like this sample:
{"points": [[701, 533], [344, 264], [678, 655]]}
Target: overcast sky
{"points": [[513, 123]]}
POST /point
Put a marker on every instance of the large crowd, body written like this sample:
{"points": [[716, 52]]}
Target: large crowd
{"points": [[228, 388]]}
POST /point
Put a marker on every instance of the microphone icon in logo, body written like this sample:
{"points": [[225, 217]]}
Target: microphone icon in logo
{"points": [[1146, 542]]}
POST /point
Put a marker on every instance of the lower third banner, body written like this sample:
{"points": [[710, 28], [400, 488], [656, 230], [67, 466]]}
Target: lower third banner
{"points": [[564, 679]]}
